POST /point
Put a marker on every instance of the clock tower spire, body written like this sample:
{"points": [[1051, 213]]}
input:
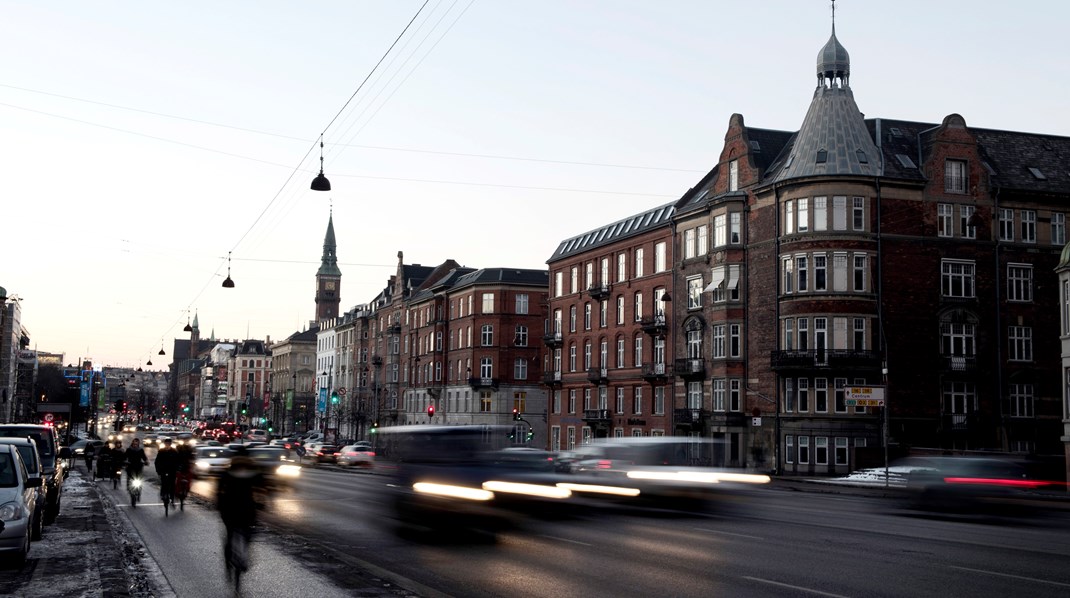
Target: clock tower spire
{"points": [[328, 277]]}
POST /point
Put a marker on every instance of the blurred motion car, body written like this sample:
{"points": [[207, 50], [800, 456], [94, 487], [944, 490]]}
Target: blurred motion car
{"points": [[257, 435], [524, 458], [211, 460], [79, 447], [18, 505], [359, 455], [324, 453], [31, 458], [969, 485], [278, 469]]}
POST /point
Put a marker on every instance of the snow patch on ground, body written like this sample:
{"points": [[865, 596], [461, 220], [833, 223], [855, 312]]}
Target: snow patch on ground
{"points": [[875, 477]]}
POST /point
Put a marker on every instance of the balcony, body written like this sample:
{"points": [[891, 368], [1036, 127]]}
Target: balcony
{"points": [[377, 360], [599, 291], [477, 383], [596, 416], [655, 372], [840, 359], [598, 375], [654, 326], [393, 327], [690, 367], [958, 363], [553, 339], [690, 417], [551, 378]]}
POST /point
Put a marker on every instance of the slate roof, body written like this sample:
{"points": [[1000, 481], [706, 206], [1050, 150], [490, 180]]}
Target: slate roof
{"points": [[329, 261], [611, 233]]}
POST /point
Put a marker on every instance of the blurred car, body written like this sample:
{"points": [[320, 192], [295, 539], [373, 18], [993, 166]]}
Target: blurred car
{"points": [[359, 455], [564, 461], [274, 465], [968, 485], [149, 440], [129, 428], [524, 458], [18, 505], [211, 460], [80, 447], [324, 453], [257, 435], [31, 458], [185, 438]]}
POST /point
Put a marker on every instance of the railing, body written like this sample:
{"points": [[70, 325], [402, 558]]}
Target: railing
{"points": [[553, 339], [960, 363], [690, 416], [597, 375], [690, 366], [656, 324], [551, 378], [655, 371], [824, 358], [596, 415], [479, 382], [599, 291]]}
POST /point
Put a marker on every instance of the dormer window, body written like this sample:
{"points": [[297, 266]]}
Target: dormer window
{"points": [[822, 156], [862, 158], [733, 175], [955, 176]]}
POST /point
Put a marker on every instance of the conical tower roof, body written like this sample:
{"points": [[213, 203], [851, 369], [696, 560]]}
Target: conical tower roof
{"points": [[329, 261]]}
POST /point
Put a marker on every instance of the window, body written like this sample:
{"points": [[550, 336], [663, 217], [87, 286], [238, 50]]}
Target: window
{"points": [[603, 313], [637, 400], [789, 334], [603, 354], [1006, 224], [820, 272], [733, 175], [821, 395], [735, 396], [860, 273], [841, 451], [804, 450], [821, 450], [789, 448], [719, 394], [804, 395], [660, 263], [967, 231], [1021, 399], [1058, 228], [702, 243], [725, 283], [520, 368], [789, 275], [801, 278], [485, 401], [789, 217], [572, 400], [586, 316], [1019, 282], [572, 318], [689, 243], [587, 355], [694, 394], [719, 348], [521, 303], [620, 352], [734, 229], [638, 351], [1029, 226], [821, 213], [694, 292], [858, 214], [486, 335], [944, 214], [804, 215], [1021, 343], [603, 274], [638, 307], [486, 368], [802, 325], [957, 279], [659, 400], [694, 344], [620, 399], [588, 279], [575, 279], [521, 336], [839, 272], [957, 340], [620, 309], [839, 213], [859, 334], [622, 272], [720, 230], [734, 340], [955, 176], [488, 303], [639, 262], [839, 401], [558, 286]]}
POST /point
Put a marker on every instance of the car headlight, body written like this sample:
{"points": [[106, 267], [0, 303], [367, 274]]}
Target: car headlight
{"points": [[289, 471], [200, 465], [11, 511]]}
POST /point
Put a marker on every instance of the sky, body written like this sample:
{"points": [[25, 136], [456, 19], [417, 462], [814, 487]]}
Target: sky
{"points": [[145, 142]]}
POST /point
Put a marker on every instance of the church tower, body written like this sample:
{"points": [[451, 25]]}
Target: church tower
{"points": [[328, 277]]}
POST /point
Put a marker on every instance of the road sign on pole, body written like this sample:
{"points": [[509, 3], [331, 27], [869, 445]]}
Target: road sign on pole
{"points": [[864, 396]]}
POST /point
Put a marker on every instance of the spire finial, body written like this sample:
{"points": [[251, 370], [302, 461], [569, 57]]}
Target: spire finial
{"points": [[834, 17]]}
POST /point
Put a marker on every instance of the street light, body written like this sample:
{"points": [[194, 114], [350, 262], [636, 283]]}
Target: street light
{"points": [[320, 183]]}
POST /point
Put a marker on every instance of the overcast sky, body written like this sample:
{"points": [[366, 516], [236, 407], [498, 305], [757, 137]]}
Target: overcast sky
{"points": [[143, 141]]}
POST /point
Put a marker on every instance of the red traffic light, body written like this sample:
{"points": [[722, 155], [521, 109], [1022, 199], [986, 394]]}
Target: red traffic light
{"points": [[430, 411]]}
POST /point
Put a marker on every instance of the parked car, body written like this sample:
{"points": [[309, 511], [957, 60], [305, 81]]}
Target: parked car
{"points": [[211, 460], [359, 455], [53, 460], [18, 505], [31, 458]]}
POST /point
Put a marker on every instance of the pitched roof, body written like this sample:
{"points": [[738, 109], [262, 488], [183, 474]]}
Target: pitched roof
{"points": [[611, 233]]}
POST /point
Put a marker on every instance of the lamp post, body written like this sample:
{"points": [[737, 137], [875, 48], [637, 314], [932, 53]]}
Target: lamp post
{"points": [[290, 405]]}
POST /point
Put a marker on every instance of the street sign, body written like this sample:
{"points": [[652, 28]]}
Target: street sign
{"points": [[864, 396], [49, 417], [342, 391]]}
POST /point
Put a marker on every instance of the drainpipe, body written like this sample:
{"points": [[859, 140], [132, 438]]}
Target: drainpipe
{"points": [[776, 318], [1004, 442]]}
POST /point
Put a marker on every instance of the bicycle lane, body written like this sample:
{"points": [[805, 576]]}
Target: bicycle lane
{"points": [[187, 547]]}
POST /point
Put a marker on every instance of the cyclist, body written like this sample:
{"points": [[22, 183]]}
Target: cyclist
{"points": [[184, 475], [236, 498], [135, 461], [166, 466]]}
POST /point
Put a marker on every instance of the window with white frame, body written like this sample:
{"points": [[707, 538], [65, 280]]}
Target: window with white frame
{"points": [[572, 400], [789, 334], [694, 343], [839, 213], [1006, 224], [789, 274], [558, 286], [1029, 226], [603, 354], [520, 338], [588, 275], [488, 303], [719, 341], [733, 175], [1058, 228], [694, 292], [639, 262], [1021, 343], [839, 272], [555, 438], [820, 272], [638, 307], [858, 213], [1019, 282], [603, 398], [638, 351], [622, 267], [571, 437], [586, 399], [839, 395], [957, 339], [821, 218], [789, 217], [694, 394], [586, 316], [821, 395], [702, 241], [734, 340], [801, 271], [735, 229], [637, 400], [486, 335], [659, 400], [821, 450], [486, 367], [575, 279], [957, 279], [804, 395], [725, 283], [620, 352], [944, 214], [789, 448], [603, 273], [841, 451], [789, 395], [660, 258], [719, 394], [860, 270], [720, 230], [959, 397], [859, 326], [689, 243], [603, 313], [520, 368], [802, 326], [803, 214], [965, 213], [521, 303], [1021, 400], [620, 309], [620, 399], [735, 395], [804, 450], [955, 176]]}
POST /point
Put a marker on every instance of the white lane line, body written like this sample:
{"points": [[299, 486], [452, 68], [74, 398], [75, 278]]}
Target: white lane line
{"points": [[717, 531], [566, 540], [800, 588], [1033, 579]]}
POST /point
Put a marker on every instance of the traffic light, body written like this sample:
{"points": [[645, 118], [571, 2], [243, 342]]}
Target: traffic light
{"points": [[244, 408], [516, 414], [334, 398], [375, 427], [531, 435], [184, 407], [430, 411]]}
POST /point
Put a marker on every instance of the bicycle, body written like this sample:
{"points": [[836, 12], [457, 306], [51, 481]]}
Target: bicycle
{"points": [[182, 484], [236, 553], [133, 486], [167, 493]]}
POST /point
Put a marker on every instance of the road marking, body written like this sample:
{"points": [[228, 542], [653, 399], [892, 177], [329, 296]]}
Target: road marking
{"points": [[566, 540], [800, 588], [717, 531], [1034, 579]]}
